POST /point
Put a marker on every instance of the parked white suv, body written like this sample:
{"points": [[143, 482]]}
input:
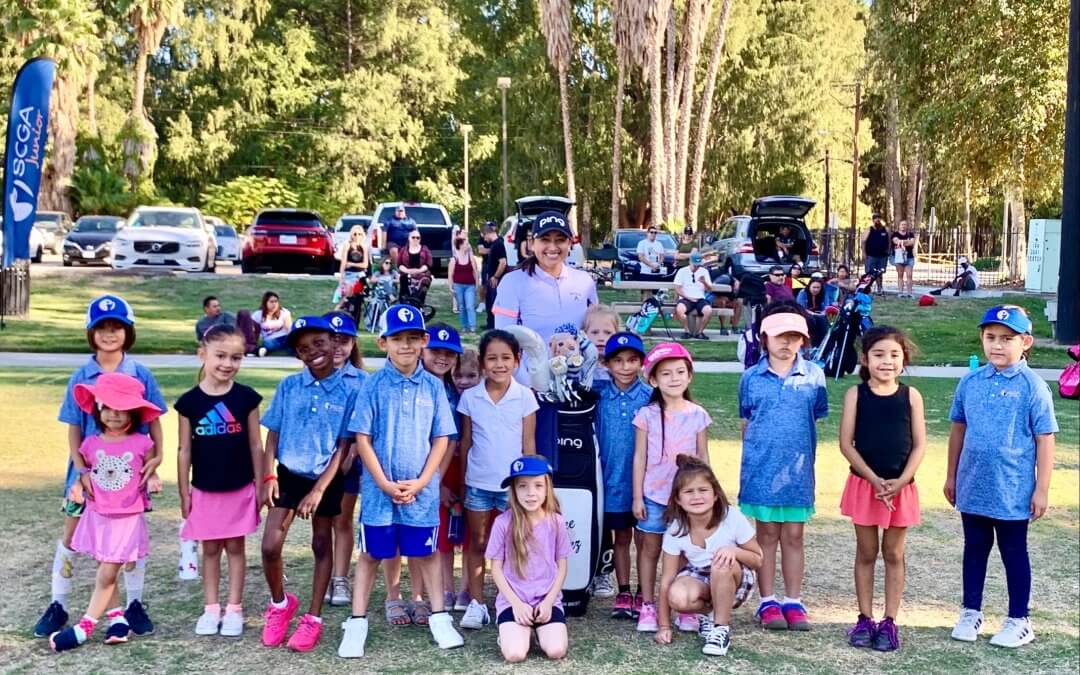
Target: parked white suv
{"points": [[162, 236]]}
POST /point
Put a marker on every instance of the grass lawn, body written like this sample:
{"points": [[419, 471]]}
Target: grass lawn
{"points": [[33, 454], [167, 308]]}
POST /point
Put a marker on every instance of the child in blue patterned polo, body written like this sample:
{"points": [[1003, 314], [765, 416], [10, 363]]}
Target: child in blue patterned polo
{"points": [[780, 401], [402, 422], [621, 396], [1001, 453]]}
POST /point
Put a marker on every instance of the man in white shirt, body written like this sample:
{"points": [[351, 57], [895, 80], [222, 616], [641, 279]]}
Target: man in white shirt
{"points": [[650, 253], [691, 282]]}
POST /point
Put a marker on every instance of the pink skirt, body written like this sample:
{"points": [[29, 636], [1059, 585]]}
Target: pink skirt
{"points": [[111, 538], [859, 503], [221, 515]]}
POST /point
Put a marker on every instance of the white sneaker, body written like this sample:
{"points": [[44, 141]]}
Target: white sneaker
{"points": [[476, 616], [340, 592], [262, 351], [705, 625], [207, 624], [354, 639], [1014, 633], [602, 587], [442, 629], [967, 628], [717, 641], [233, 624]]}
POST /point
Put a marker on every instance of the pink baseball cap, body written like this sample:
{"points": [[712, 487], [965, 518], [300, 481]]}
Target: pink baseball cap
{"points": [[786, 322], [663, 352], [119, 392]]}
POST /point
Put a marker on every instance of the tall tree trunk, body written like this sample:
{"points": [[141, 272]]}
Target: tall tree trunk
{"points": [[616, 143], [671, 116], [893, 203], [912, 188], [697, 22], [60, 163], [656, 147], [91, 101], [348, 36], [139, 87], [1018, 236], [920, 198], [705, 118], [965, 245], [568, 146]]}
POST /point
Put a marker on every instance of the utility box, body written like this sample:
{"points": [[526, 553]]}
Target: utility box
{"points": [[1044, 255]]}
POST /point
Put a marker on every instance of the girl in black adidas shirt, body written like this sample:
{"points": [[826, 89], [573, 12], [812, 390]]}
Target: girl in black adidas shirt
{"points": [[220, 446]]}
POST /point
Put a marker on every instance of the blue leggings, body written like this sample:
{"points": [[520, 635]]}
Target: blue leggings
{"points": [[979, 534]]}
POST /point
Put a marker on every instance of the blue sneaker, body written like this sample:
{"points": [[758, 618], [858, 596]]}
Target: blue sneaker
{"points": [[138, 619], [53, 620], [64, 640], [117, 633]]}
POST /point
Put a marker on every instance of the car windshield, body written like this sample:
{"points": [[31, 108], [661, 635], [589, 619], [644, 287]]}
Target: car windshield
{"points": [[290, 218], [631, 239], [347, 224], [423, 215], [182, 219], [47, 221], [224, 231], [96, 225]]}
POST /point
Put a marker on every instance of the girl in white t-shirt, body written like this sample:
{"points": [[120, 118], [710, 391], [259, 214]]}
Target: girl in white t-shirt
{"points": [[710, 554], [498, 424]]}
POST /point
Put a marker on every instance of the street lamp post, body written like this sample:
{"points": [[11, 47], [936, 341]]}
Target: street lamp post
{"points": [[465, 129], [503, 83]]}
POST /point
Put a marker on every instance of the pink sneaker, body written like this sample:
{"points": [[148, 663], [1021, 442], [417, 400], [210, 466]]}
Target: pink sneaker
{"points": [[771, 617], [687, 623], [307, 634], [646, 622], [796, 618], [277, 621]]}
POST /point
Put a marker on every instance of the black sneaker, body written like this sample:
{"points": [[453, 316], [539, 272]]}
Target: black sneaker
{"points": [[53, 620], [717, 642], [64, 640], [118, 632], [137, 619]]}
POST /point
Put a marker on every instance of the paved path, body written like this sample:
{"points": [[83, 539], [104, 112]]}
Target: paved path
{"points": [[47, 360]]}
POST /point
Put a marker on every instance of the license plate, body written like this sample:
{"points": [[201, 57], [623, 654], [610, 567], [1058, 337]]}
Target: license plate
{"points": [[155, 259], [287, 239]]}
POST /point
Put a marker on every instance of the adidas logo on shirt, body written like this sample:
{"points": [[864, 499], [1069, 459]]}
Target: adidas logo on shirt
{"points": [[217, 422]]}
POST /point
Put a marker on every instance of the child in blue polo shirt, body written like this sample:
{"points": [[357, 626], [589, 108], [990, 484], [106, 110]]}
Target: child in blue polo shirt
{"points": [[110, 332], [1001, 454], [780, 400], [304, 422], [402, 422], [621, 396]]}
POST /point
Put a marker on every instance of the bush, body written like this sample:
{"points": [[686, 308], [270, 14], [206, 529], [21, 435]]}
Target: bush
{"points": [[986, 264], [237, 201], [97, 189]]}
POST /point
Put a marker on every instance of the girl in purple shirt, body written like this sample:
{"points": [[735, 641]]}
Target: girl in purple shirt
{"points": [[528, 549]]}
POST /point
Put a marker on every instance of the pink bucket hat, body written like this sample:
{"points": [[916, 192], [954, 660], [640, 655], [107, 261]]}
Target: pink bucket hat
{"points": [[119, 392], [787, 322], [663, 352]]}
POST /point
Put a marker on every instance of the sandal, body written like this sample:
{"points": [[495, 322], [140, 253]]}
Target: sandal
{"points": [[397, 613], [420, 613]]}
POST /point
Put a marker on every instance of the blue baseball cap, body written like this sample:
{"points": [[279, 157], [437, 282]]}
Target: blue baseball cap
{"points": [[109, 307], [696, 258], [341, 323], [444, 337], [1009, 316], [620, 341], [551, 221], [401, 318], [307, 324], [527, 465]]}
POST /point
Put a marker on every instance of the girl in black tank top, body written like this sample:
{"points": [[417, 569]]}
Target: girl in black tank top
{"points": [[883, 430]]}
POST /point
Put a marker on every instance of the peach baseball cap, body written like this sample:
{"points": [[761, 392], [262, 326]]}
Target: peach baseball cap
{"points": [[786, 322]]}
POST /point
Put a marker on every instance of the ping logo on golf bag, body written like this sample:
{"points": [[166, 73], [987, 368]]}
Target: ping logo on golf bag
{"points": [[575, 443]]}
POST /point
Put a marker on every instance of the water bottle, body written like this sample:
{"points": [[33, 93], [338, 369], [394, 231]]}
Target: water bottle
{"points": [[973, 362], [618, 274], [455, 529]]}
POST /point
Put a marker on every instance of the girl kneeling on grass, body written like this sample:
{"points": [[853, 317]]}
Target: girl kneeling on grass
{"points": [[220, 447], [883, 437], [528, 550], [111, 466], [721, 553]]}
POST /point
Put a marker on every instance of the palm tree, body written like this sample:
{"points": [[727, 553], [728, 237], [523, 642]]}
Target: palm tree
{"points": [[149, 19], [555, 25], [655, 26], [698, 13], [622, 25]]}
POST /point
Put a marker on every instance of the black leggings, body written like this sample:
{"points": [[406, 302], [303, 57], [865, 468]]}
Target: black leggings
{"points": [[1012, 545]]}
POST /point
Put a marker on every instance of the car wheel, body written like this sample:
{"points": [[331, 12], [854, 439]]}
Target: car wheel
{"points": [[211, 262], [247, 265], [327, 267], [37, 256]]}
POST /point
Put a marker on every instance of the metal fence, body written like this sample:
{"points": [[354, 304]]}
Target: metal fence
{"points": [[15, 289], [937, 253]]}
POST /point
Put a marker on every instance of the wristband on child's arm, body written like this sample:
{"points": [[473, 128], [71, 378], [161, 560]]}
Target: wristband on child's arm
{"points": [[267, 479], [84, 470]]}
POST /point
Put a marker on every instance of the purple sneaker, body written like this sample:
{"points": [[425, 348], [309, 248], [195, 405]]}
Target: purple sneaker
{"points": [[862, 634], [887, 638]]}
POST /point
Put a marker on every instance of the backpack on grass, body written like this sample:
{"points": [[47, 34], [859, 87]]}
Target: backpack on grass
{"points": [[1069, 382]]}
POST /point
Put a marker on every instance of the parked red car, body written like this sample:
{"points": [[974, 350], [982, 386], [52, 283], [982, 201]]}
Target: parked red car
{"points": [[281, 240]]}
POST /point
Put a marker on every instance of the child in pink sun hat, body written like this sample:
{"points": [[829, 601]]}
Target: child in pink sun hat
{"points": [[113, 467]]}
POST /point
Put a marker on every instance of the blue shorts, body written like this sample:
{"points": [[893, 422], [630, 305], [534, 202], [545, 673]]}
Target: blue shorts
{"points": [[352, 478], [479, 499], [383, 542], [654, 522], [876, 263]]}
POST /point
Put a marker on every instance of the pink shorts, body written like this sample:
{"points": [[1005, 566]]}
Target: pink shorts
{"points": [[221, 515], [859, 503]]}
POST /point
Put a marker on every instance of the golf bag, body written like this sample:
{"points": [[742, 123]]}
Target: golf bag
{"points": [[566, 437], [1069, 382], [752, 294], [642, 320], [837, 354]]}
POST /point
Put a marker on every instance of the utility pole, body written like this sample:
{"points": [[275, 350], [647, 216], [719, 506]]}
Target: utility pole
{"points": [[1068, 321], [855, 158], [828, 192], [503, 83], [465, 129]]}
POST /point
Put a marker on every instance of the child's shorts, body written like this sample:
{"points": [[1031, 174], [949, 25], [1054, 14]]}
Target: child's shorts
{"points": [[654, 522], [293, 488], [704, 574], [624, 520], [351, 479], [859, 503], [479, 499], [777, 514], [507, 616], [383, 542], [221, 515]]}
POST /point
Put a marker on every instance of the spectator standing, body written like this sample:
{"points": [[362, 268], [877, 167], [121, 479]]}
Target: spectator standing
{"points": [[904, 242], [465, 276], [494, 268], [876, 247]]}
